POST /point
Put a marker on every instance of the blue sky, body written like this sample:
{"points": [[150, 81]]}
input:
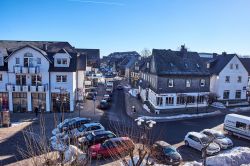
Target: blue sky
{"points": [[123, 25]]}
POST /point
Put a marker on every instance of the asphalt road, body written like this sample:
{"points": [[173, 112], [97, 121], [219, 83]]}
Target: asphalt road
{"points": [[171, 132]]}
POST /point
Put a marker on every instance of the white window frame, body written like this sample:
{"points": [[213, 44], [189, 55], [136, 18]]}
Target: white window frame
{"points": [[228, 79], [18, 60], [170, 83], [61, 78], [237, 66], [188, 83], [170, 100], [239, 79], [203, 82]]}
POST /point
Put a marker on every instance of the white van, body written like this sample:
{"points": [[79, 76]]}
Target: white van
{"points": [[238, 125]]}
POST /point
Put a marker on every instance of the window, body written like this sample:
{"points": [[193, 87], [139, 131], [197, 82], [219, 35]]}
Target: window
{"points": [[170, 83], [17, 61], [226, 94], [239, 79], [28, 62], [1, 60], [158, 100], [241, 125], [59, 61], [203, 82], [61, 78], [190, 99], [64, 61], [236, 66], [169, 100], [64, 78], [20, 79], [181, 99], [231, 66], [38, 61], [238, 94], [227, 80], [200, 99], [36, 80], [188, 83], [1, 77]]}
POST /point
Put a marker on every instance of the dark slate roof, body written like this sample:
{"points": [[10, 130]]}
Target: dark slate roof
{"points": [[124, 54], [47, 48], [168, 62], [93, 56], [217, 63], [81, 62], [246, 63]]}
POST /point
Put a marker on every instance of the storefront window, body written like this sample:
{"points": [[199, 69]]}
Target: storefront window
{"points": [[19, 102], [59, 100], [38, 101]]}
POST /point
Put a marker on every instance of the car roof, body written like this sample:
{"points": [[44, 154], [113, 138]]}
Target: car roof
{"points": [[119, 139], [95, 133], [106, 95], [92, 124], [196, 134], [211, 131], [162, 143]]}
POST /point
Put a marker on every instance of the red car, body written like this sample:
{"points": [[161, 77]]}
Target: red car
{"points": [[112, 147]]}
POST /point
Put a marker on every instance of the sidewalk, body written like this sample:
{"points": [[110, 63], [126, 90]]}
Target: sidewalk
{"points": [[180, 114]]}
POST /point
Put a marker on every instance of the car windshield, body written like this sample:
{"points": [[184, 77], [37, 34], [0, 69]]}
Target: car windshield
{"points": [[168, 150], [81, 128], [205, 140], [219, 135], [89, 136]]}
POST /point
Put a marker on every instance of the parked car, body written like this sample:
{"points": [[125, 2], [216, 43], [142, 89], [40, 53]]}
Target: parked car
{"points": [[107, 97], [109, 92], [200, 141], [119, 87], [69, 124], [96, 137], [90, 96], [83, 130], [166, 153], [219, 138], [237, 125], [111, 147], [103, 105]]}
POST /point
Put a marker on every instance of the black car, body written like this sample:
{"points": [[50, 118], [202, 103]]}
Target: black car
{"points": [[107, 98], [104, 104], [166, 153], [119, 87], [90, 96], [96, 137]]}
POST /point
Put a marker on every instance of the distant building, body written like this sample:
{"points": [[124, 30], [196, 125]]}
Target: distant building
{"points": [[175, 79], [229, 77]]}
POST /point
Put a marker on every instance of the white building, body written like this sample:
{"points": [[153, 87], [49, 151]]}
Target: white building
{"points": [[229, 77], [39, 74]]}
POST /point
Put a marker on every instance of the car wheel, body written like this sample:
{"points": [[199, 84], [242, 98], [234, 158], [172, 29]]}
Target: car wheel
{"points": [[186, 143]]}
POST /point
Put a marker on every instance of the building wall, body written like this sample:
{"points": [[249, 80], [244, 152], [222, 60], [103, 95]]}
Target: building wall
{"points": [[180, 84], [220, 85], [5, 80]]}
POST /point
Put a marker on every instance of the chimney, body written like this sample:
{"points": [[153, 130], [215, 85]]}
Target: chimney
{"points": [[45, 47], [224, 53], [183, 50]]}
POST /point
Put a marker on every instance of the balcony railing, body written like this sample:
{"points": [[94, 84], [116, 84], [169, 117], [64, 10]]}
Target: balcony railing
{"points": [[26, 70], [27, 88]]}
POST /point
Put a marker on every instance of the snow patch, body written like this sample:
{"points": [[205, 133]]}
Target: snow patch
{"points": [[193, 163], [133, 92], [73, 154], [180, 116], [218, 105], [235, 156], [146, 108]]}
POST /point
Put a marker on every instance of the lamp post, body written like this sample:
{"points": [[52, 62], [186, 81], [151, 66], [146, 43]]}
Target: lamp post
{"points": [[146, 125]]}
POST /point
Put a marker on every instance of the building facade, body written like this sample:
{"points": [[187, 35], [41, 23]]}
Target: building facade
{"points": [[176, 79], [39, 74], [229, 77]]}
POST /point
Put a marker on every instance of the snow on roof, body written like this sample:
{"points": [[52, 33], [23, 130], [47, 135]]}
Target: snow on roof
{"points": [[239, 116]]}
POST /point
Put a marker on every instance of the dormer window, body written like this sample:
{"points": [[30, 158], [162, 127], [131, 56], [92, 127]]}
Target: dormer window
{"points": [[62, 61], [208, 65], [1, 60]]}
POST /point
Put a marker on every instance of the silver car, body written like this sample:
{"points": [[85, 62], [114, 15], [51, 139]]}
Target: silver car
{"points": [[223, 141]]}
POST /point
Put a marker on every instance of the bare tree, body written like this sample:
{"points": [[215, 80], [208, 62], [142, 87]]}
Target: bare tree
{"points": [[145, 52]]}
